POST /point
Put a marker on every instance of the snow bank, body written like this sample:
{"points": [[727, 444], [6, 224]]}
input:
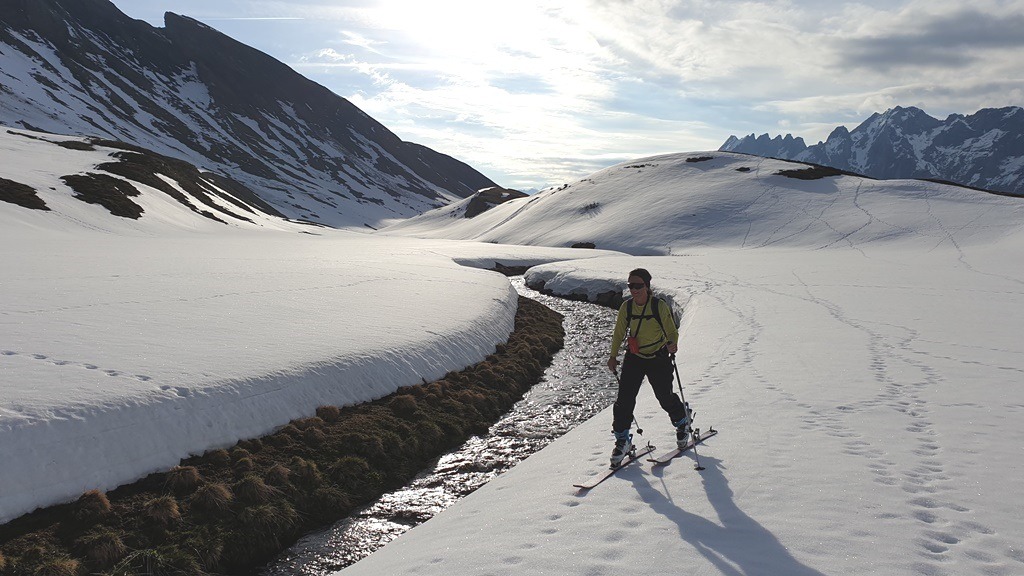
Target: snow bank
{"points": [[120, 356]]}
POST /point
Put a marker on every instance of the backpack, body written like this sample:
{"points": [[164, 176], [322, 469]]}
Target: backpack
{"points": [[654, 310]]}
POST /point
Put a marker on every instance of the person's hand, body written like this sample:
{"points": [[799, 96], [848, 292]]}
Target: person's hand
{"points": [[613, 365], [673, 348]]}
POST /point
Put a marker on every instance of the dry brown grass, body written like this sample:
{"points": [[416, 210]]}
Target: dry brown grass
{"points": [[184, 479], [328, 413], [162, 511], [92, 506], [253, 490], [278, 475], [59, 567], [240, 505], [214, 497], [102, 548]]}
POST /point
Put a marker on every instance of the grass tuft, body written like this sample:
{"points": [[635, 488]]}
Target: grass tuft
{"points": [[350, 471], [253, 490], [162, 511], [405, 406], [218, 458], [214, 497], [268, 519], [307, 423], [328, 413], [244, 466], [103, 548], [183, 479], [92, 506], [278, 475], [305, 473], [162, 561], [313, 436], [330, 501]]}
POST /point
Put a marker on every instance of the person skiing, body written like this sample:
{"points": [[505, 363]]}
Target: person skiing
{"points": [[646, 325]]}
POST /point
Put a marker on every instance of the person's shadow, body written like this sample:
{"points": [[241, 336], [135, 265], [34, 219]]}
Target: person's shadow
{"points": [[739, 546]]}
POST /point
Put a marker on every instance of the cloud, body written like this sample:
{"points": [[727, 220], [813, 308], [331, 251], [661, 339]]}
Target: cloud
{"points": [[533, 90], [955, 40], [230, 18]]}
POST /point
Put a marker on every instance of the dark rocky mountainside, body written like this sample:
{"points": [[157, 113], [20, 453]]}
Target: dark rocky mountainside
{"points": [[81, 67], [984, 150]]}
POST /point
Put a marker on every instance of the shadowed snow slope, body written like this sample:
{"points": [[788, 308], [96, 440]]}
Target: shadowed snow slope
{"points": [[857, 342]]}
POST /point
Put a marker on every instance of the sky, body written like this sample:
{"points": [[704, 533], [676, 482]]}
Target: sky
{"points": [[535, 94]]}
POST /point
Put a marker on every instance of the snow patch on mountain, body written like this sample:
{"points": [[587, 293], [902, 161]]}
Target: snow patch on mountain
{"points": [[979, 150]]}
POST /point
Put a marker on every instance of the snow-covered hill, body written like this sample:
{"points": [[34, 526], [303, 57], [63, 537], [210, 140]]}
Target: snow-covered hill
{"points": [[678, 202], [984, 149], [189, 92]]}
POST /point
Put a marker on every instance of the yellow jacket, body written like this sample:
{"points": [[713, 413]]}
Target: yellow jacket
{"points": [[651, 337]]}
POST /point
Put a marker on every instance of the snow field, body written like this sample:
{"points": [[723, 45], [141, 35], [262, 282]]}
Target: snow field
{"points": [[866, 402], [856, 342]]}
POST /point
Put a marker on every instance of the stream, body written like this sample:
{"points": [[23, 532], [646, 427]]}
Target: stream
{"points": [[574, 387]]}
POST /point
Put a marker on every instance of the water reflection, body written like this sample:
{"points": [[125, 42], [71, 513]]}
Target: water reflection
{"points": [[575, 387]]}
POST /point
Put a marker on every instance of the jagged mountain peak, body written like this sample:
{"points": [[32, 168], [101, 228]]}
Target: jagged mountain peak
{"points": [[984, 149], [909, 120], [838, 133]]}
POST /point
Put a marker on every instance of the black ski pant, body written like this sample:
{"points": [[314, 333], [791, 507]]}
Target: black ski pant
{"points": [[658, 371]]}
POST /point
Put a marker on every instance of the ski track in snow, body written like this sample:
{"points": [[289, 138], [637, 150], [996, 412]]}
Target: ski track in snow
{"points": [[944, 526]]}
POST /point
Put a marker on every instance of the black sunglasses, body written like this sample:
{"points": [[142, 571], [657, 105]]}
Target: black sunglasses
{"points": [[636, 286]]}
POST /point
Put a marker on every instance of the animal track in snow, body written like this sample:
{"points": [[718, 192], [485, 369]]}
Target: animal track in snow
{"points": [[65, 363]]}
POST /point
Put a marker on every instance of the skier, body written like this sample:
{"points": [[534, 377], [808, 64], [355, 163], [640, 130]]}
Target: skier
{"points": [[647, 326]]}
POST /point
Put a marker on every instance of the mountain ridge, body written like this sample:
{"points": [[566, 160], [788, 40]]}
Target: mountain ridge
{"points": [[188, 91], [982, 150]]}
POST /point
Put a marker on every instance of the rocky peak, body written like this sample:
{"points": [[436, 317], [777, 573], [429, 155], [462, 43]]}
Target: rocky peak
{"points": [[985, 149]]}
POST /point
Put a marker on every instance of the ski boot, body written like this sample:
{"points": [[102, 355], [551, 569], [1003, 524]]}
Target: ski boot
{"points": [[623, 447], [683, 428]]}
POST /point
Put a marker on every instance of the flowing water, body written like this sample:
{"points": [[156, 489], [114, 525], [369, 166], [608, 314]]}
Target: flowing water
{"points": [[576, 386]]}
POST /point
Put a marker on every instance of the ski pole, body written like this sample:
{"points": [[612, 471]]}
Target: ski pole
{"points": [[639, 430], [689, 419]]}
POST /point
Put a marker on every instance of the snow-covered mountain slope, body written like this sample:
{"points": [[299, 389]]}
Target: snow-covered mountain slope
{"points": [[53, 182], [671, 203], [189, 92], [984, 149]]}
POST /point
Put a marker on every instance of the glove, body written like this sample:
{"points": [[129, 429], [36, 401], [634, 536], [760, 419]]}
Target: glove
{"points": [[613, 365]]}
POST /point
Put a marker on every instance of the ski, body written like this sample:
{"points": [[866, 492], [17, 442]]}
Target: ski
{"points": [[698, 437], [604, 475]]}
